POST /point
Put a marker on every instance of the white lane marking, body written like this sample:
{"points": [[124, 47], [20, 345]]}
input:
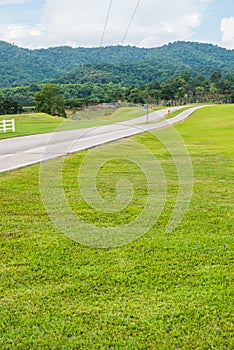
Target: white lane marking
{"points": [[8, 155]]}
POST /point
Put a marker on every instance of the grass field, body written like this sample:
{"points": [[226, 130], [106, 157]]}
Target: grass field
{"points": [[172, 114], [163, 291], [37, 123]]}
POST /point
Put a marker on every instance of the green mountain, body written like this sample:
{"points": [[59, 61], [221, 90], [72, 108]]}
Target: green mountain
{"points": [[159, 64], [20, 66], [118, 64]]}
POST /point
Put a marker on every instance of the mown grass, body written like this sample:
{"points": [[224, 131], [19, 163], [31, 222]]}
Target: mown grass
{"points": [[29, 124], [170, 114], [37, 123], [163, 291]]}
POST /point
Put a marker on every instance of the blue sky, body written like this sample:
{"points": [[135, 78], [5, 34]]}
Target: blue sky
{"points": [[209, 30], [25, 12], [46, 23]]}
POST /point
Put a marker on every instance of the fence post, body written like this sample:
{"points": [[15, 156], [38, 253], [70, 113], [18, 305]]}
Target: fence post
{"points": [[4, 125]]}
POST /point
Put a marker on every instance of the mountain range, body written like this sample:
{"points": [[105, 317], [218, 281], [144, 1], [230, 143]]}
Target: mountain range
{"points": [[126, 65]]}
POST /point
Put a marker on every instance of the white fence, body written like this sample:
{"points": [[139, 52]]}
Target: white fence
{"points": [[7, 125]]}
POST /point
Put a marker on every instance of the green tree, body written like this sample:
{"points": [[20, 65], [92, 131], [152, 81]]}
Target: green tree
{"points": [[9, 105], [168, 91], [50, 100]]}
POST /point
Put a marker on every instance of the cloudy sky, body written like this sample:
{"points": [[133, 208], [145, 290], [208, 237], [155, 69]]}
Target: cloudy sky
{"points": [[46, 23]]}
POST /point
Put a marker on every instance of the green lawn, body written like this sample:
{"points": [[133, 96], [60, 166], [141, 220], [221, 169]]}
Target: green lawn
{"points": [[163, 291], [29, 124], [171, 114], [37, 123]]}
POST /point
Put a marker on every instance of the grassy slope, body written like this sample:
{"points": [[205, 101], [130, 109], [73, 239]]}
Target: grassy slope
{"points": [[28, 124], [164, 291], [37, 123]]}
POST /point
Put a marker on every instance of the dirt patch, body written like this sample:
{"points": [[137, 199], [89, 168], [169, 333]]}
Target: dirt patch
{"points": [[105, 116]]}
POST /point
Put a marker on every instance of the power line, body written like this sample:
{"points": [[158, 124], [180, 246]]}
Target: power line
{"points": [[131, 20], [107, 19]]}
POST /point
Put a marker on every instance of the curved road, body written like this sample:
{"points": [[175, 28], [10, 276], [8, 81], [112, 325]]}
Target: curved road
{"points": [[23, 151]]}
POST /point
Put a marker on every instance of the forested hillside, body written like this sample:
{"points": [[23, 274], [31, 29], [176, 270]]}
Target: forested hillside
{"points": [[160, 64], [114, 64], [22, 66]]}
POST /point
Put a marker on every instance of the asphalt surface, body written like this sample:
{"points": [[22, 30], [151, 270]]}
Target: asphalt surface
{"points": [[19, 152]]}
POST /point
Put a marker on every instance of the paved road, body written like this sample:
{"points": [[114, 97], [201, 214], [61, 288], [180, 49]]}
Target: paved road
{"points": [[23, 151]]}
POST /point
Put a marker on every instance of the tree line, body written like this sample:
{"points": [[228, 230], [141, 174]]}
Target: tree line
{"points": [[183, 89]]}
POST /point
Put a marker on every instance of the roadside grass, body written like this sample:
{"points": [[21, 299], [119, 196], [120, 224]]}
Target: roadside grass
{"points": [[29, 124], [174, 114], [89, 117], [37, 123], [163, 291], [169, 115]]}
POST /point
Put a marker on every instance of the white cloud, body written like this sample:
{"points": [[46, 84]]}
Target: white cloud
{"points": [[20, 35], [18, 31], [227, 27], [81, 22]]}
